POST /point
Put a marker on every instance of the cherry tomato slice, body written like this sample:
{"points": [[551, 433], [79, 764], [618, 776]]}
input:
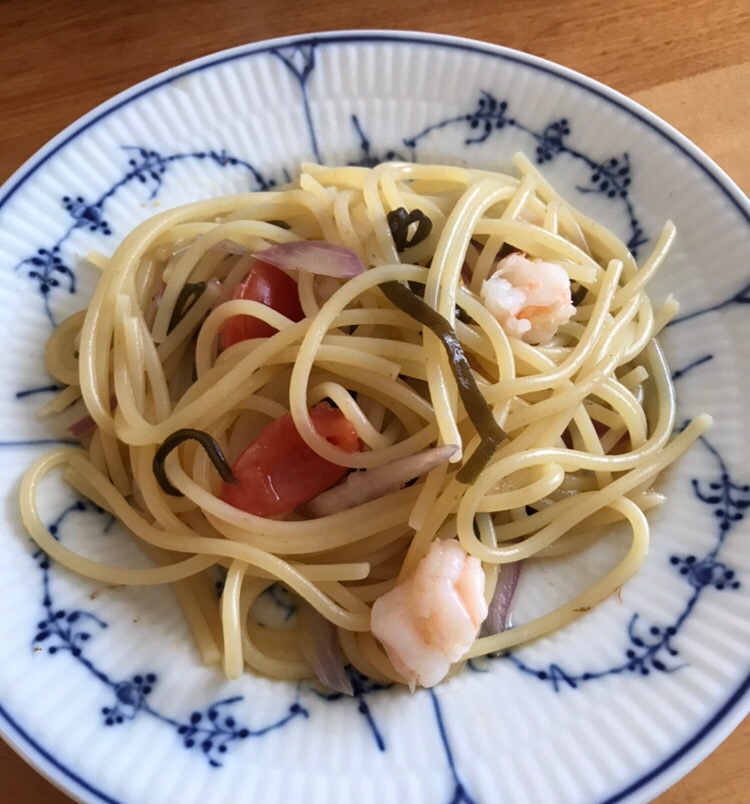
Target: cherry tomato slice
{"points": [[268, 285], [278, 471]]}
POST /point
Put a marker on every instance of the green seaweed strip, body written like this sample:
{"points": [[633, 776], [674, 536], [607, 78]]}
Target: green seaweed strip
{"points": [[476, 406], [399, 221], [189, 295], [209, 444]]}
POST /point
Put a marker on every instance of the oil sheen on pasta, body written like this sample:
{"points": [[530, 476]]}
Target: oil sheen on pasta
{"points": [[398, 579]]}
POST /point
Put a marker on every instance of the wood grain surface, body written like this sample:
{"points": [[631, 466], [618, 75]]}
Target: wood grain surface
{"points": [[686, 60]]}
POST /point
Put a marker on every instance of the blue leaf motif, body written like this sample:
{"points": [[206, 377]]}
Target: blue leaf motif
{"points": [[212, 730], [651, 648], [552, 141], [51, 270], [610, 178]]}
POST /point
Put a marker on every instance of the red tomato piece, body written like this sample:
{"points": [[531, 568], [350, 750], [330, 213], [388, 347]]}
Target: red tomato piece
{"points": [[268, 285], [278, 471]]}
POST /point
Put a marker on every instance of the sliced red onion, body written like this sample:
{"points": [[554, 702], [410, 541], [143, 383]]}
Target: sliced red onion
{"points": [[315, 257], [82, 426], [86, 423], [369, 484], [320, 646], [326, 287], [499, 610], [67, 422], [73, 421]]}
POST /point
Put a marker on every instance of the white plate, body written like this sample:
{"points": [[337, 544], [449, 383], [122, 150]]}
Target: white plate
{"points": [[101, 689]]}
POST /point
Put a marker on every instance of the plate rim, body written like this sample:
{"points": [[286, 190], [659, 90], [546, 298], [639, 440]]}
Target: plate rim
{"points": [[635, 109], [718, 727]]}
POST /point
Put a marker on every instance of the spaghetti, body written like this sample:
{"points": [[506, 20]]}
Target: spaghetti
{"points": [[527, 433]]}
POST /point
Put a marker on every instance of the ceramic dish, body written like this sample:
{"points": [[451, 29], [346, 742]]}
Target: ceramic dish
{"points": [[102, 690]]}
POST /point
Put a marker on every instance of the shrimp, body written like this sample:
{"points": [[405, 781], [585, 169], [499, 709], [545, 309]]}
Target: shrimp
{"points": [[430, 620], [530, 298]]}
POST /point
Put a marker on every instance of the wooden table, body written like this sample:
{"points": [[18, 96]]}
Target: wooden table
{"points": [[687, 60]]}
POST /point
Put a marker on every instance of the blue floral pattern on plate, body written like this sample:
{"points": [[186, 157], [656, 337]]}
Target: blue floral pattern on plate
{"points": [[215, 728]]}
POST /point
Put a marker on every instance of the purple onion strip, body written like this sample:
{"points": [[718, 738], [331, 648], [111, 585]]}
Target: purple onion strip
{"points": [[320, 646], [314, 256], [500, 605]]}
